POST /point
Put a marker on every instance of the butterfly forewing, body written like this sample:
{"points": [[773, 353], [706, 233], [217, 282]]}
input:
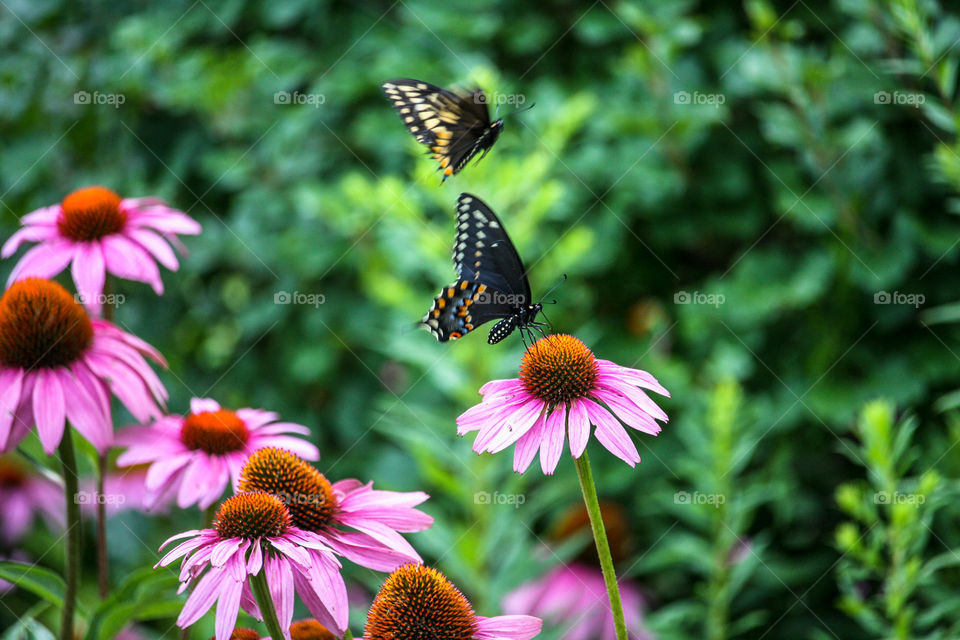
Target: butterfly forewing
{"points": [[455, 125]]}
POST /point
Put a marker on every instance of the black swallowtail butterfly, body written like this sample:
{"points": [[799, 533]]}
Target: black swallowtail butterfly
{"points": [[455, 125], [491, 281]]}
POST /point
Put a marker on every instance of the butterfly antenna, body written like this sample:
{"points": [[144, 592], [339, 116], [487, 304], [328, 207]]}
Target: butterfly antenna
{"points": [[515, 112], [554, 288]]}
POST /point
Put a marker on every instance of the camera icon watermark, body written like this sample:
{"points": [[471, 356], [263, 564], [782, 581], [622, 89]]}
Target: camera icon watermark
{"points": [[97, 98], [697, 297], [908, 98], [93, 497], [298, 98], [103, 299], [496, 98], [697, 97], [685, 497], [885, 497], [297, 297], [915, 300], [487, 498]]}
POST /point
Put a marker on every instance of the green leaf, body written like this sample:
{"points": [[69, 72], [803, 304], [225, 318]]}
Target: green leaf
{"points": [[37, 580], [27, 629]]}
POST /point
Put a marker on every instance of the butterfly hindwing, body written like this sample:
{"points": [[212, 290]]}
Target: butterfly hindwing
{"points": [[454, 124]]}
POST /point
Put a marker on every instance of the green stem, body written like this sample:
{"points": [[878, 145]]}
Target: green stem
{"points": [[347, 635], [103, 576], [261, 592], [585, 474], [68, 461]]}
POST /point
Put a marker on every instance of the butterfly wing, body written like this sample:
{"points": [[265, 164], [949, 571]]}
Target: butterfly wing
{"points": [[491, 284], [454, 125]]}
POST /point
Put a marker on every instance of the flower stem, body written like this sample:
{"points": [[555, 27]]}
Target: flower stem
{"points": [[261, 592], [103, 571], [585, 474], [103, 576], [68, 462]]}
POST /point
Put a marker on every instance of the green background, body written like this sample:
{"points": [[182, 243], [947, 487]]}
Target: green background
{"points": [[791, 195]]}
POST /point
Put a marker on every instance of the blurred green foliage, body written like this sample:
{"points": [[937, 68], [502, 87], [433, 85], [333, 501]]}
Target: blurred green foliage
{"points": [[752, 242]]}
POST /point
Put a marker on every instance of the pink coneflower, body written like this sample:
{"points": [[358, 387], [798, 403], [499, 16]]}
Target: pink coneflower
{"points": [[124, 490], [419, 602], [253, 533], [98, 232], [25, 493], [58, 364], [573, 599], [563, 388], [373, 518], [197, 455]]}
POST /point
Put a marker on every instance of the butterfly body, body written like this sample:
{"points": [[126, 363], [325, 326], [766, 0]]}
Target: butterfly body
{"points": [[454, 124], [492, 283]]}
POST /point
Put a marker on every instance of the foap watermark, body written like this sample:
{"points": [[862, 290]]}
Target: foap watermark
{"points": [[298, 98], [698, 297], [299, 297], [98, 98], [102, 299], [515, 99], [885, 497], [685, 497], [485, 497], [899, 297], [908, 98], [498, 297], [697, 97], [94, 497]]}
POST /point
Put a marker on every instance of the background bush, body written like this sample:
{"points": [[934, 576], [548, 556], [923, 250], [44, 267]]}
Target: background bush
{"points": [[786, 187]]}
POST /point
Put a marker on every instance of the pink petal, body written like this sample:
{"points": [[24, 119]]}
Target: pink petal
{"points": [[89, 274], [579, 428], [528, 445], [228, 607], [43, 261], [46, 216], [157, 247], [280, 583], [611, 434], [516, 423], [11, 384], [508, 628], [204, 594], [126, 259], [49, 409], [203, 405], [36, 233], [553, 438], [631, 415]]}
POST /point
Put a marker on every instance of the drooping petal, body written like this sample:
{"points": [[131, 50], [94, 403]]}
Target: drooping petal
{"points": [[578, 428], [11, 384], [49, 409], [508, 628], [553, 438], [89, 274], [611, 434], [43, 261], [528, 445]]}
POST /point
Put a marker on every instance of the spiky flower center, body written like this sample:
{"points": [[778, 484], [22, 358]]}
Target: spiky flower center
{"points": [[12, 475], [216, 432], [576, 520], [42, 326], [558, 368], [310, 630], [419, 603], [242, 633], [306, 492], [90, 214], [252, 515]]}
